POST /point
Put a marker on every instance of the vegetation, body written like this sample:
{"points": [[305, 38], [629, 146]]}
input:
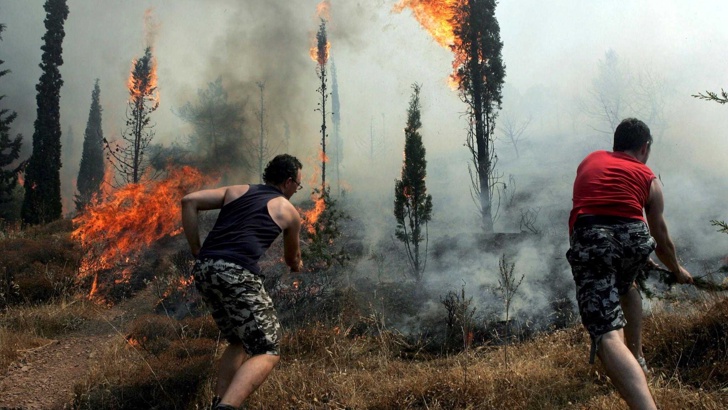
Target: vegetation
{"points": [[342, 346], [42, 201], [217, 127], [9, 154], [129, 159], [480, 72], [412, 203], [91, 169], [322, 55]]}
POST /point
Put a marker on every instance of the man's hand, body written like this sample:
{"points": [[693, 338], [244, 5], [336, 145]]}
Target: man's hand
{"points": [[683, 276]]}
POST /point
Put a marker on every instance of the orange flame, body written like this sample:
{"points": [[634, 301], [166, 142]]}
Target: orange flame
{"points": [[321, 54], [437, 18], [132, 218], [323, 10], [139, 88], [312, 215], [323, 157]]}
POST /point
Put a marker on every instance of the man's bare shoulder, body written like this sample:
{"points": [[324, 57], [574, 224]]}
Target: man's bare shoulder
{"points": [[283, 212], [233, 192]]}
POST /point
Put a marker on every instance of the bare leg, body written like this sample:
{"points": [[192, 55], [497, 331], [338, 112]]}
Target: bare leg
{"points": [[231, 360], [632, 307], [625, 372], [248, 378]]}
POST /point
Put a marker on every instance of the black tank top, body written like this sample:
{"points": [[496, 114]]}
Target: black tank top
{"points": [[244, 229]]}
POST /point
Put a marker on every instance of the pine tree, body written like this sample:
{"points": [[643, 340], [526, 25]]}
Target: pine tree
{"points": [[91, 168], [42, 201], [9, 151], [480, 72], [130, 159], [412, 204]]}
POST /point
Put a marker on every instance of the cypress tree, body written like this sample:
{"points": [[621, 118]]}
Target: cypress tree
{"points": [[412, 204], [91, 169], [42, 201], [9, 149]]}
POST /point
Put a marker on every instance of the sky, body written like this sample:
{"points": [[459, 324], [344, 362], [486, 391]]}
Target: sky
{"points": [[552, 51]]}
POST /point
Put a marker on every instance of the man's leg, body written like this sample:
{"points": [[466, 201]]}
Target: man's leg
{"points": [[625, 372], [230, 362], [248, 378], [631, 303]]}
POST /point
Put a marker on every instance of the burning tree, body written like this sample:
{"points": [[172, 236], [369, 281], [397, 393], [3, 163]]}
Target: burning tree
{"points": [[321, 54], [9, 152], [91, 170], [469, 28], [480, 72], [412, 204], [143, 101], [42, 201]]}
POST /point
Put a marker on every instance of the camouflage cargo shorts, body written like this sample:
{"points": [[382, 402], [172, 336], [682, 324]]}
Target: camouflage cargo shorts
{"points": [[605, 259], [241, 307]]}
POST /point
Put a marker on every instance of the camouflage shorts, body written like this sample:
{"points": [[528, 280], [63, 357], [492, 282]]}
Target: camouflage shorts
{"points": [[605, 260], [241, 307]]}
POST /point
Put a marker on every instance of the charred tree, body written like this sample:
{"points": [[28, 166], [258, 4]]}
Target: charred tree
{"points": [[129, 159], [480, 72], [9, 153], [336, 120], [42, 202], [217, 126], [322, 55], [91, 169], [412, 204]]}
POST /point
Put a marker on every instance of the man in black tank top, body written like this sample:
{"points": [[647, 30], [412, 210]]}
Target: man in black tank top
{"points": [[227, 274]]}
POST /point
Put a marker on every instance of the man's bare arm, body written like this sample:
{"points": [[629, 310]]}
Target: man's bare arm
{"points": [[199, 201], [665, 250], [291, 240]]}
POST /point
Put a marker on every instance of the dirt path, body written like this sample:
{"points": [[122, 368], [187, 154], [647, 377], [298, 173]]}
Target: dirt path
{"points": [[44, 377]]}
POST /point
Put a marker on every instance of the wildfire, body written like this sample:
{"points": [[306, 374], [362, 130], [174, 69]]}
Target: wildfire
{"points": [[312, 215], [437, 17], [132, 218], [321, 48], [143, 87]]}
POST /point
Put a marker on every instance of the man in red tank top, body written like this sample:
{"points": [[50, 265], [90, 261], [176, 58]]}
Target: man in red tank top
{"points": [[610, 244]]}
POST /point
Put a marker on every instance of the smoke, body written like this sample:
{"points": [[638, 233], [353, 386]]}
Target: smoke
{"points": [[551, 52]]}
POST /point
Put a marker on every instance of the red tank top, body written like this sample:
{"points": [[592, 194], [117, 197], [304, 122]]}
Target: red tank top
{"points": [[612, 184]]}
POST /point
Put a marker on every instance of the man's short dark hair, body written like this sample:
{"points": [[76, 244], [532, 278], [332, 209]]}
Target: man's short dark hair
{"points": [[630, 135], [280, 168]]}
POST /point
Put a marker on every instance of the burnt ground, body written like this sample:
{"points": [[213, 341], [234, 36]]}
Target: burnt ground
{"points": [[44, 377]]}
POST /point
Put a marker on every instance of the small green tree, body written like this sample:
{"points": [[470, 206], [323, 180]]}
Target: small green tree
{"points": [[412, 204], [91, 169], [42, 202], [9, 153]]}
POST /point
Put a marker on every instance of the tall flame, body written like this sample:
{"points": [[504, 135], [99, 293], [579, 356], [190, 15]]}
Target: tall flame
{"points": [[437, 17], [133, 217], [312, 215]]}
